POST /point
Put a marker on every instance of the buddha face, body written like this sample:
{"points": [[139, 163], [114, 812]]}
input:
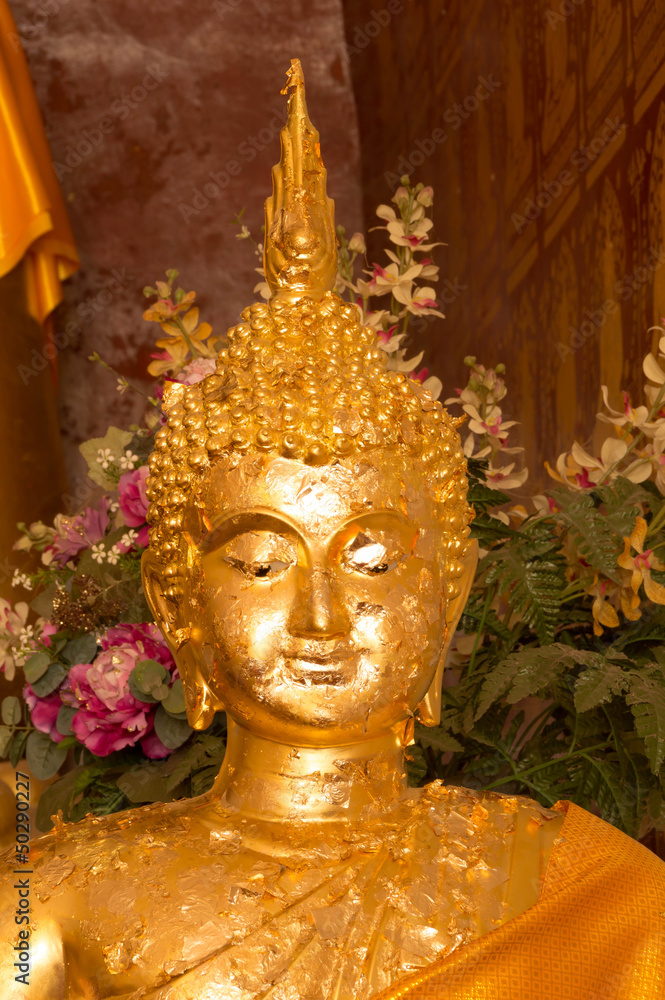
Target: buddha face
{"points": [[316, 596]]}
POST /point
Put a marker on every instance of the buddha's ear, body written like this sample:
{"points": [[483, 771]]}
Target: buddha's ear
{"points": [[165, 610], [429, 710], [183, 641]]}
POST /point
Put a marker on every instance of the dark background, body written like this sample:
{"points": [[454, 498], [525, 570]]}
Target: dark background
{"points": [[547, 108]]}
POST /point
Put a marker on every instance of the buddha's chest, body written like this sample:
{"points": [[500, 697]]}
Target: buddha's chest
{"points": [[239, 925]]}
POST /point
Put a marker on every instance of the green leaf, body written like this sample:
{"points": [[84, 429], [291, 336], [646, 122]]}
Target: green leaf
{"points": [[17, 748], [597, 685], [148, 681], [622, 501], [593, 536], [60, 795], [646, 698], [11, 711], [116, 440], [438, 738], [81, 649], [172, 732], [416, 765], [52, 679], [63, 723], [530, 574], [531, 671], [44, 757], [599, 780], [42, 604], [174, 703], [36, 666], [6, 736]]}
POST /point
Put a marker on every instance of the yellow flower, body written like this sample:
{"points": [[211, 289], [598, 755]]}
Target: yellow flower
{"points": [[637, 572], [603, 612]]}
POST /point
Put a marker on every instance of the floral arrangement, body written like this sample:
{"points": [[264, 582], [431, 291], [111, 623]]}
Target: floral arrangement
{"points": [[556, 684], [556, 687]]}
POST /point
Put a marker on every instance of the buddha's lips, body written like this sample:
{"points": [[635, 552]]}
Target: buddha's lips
{"points": [[322, 668]]}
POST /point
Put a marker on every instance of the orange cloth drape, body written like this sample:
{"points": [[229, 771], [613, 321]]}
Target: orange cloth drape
{"points": [[597, 931], [33, 221]]}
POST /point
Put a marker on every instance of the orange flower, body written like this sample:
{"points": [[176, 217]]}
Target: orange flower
{"points": [[603, 612], [637, 572]]}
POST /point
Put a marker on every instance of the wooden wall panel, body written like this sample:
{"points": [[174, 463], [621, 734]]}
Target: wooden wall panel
{"points": [[549, 192]]}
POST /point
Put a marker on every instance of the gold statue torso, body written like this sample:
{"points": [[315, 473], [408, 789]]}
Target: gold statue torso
{"points": [[189, 901], [309, 560]]}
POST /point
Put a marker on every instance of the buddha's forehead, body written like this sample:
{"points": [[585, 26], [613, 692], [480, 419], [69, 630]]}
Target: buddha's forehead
{"points": [[319, 498]]}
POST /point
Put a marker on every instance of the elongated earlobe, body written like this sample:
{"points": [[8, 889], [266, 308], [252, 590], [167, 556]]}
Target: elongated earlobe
{"points": [[429, 709], [184, 642], [199, 704]]}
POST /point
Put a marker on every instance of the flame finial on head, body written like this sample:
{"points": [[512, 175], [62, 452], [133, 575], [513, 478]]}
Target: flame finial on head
{"points": [[300, 252]]}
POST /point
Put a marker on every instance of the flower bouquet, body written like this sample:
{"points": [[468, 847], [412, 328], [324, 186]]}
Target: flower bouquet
{"points": [[556, 684]]}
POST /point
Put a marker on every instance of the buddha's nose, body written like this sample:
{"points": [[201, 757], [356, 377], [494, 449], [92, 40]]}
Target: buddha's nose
{"points": [[318, 610]]}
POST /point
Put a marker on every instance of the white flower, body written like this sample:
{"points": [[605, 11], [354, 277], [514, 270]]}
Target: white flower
{"points": [[423, 302], [128, 460], [129, 538], [388, 279], [21, 580], [426, 196], [98, 553], [357, 243], [114, 507], [636, 417], [505, 478], [12, 625], [263, 288], [434, 386], [113, 554], [612, 452], [104, 457], [243, 234]]}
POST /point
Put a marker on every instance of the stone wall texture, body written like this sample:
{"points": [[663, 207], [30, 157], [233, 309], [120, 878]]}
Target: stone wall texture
{"points": [[163, 119]]}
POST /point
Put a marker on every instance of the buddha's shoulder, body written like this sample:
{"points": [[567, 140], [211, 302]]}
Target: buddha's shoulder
{"points": [[485, 809], [151, 845]]}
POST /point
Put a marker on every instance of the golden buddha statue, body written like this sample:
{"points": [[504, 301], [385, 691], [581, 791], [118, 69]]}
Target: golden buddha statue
{"points": [[308, 562]]}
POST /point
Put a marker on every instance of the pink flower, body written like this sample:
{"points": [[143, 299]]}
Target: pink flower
{"points": [[197, 370], [153, 747], [80, 532], [48, 630], [44, 712], [109, 717], [420, 376], [133, 501], [145, 637]]}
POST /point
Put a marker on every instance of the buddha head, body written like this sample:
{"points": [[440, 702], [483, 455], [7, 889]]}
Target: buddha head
{"points": [[309, 554]]}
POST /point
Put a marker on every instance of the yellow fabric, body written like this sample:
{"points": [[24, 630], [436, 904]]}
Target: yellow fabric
{"points": [[597, 931], [33, 221]]}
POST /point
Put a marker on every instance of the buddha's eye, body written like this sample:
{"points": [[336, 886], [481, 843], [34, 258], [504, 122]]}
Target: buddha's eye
{"points": [[260, 555], [371, 555], [260, 570]]}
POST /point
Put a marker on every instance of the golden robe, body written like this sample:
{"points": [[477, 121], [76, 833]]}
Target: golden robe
{"points": [[597, 931], [188, 901]]}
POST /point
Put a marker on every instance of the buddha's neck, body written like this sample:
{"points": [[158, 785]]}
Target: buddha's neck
{"points": [[265, 780]]}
